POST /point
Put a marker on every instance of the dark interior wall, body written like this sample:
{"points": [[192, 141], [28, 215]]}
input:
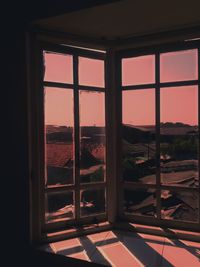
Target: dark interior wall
{"points": [[14, 122], [14, 142]]}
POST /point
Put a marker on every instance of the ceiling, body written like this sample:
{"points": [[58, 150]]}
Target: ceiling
{"points": [[125, 19]]}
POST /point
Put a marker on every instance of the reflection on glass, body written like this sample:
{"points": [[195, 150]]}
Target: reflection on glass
{"points": [[59, 156], [91, 72], [58, 67], [138, 70], [179, 136], [92, 134], [138, 117], [92, 202], [59, 206], [140, 201], [181, 205], [179, 66]]}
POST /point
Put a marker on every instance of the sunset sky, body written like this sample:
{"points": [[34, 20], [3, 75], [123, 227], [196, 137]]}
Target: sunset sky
{"points": [[177, 104]]}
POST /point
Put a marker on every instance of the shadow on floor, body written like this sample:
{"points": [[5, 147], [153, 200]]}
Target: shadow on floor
{"points": [[115, 248]]}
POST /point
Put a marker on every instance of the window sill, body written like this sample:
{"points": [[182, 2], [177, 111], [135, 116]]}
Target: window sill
{"points": [[75, 232], [154, 230]]}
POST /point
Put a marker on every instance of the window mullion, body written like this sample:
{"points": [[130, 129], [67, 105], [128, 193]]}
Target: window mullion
{"points": [[157, 95], [111, 135], [199, 129], [58, 85], [76, 139]]}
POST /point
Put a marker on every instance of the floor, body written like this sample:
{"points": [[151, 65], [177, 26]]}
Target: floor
{"points": [[122, 249]]}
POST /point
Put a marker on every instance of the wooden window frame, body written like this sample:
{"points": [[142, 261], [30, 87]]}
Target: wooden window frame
{"points": [[37, 143], [156, 50], [113, 110]]}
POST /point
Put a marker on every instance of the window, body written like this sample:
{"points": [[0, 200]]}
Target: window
{"points": [[74, 176], [139, 146], [130, 152], [160, 137]]}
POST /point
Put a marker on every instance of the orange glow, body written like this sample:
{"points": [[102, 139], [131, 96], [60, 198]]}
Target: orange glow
{"points": [[179, 66], [139, 107], [58, 106], [117, 248], [91, 72], [92, 108], [138, 70], [58, 68], [177, 104]]}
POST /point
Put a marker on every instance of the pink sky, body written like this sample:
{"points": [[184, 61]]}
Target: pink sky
{"points": [[136, 113], [177, 104], [58, 106]]}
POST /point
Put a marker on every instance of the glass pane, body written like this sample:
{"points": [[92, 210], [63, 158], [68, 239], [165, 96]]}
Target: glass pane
{"points": [[91, 72], [179, 136], [92, 202], [138, 70], [179, 66], [59, 120], [140, 201], [138, 117], [181, 205], [58, 67], [92, 134], [59, 206]]}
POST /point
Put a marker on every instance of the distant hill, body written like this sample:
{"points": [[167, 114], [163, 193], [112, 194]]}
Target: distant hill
{"points": [[64, 137], [131, 133], [56, 134], [174, 124], [142, 133]]}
